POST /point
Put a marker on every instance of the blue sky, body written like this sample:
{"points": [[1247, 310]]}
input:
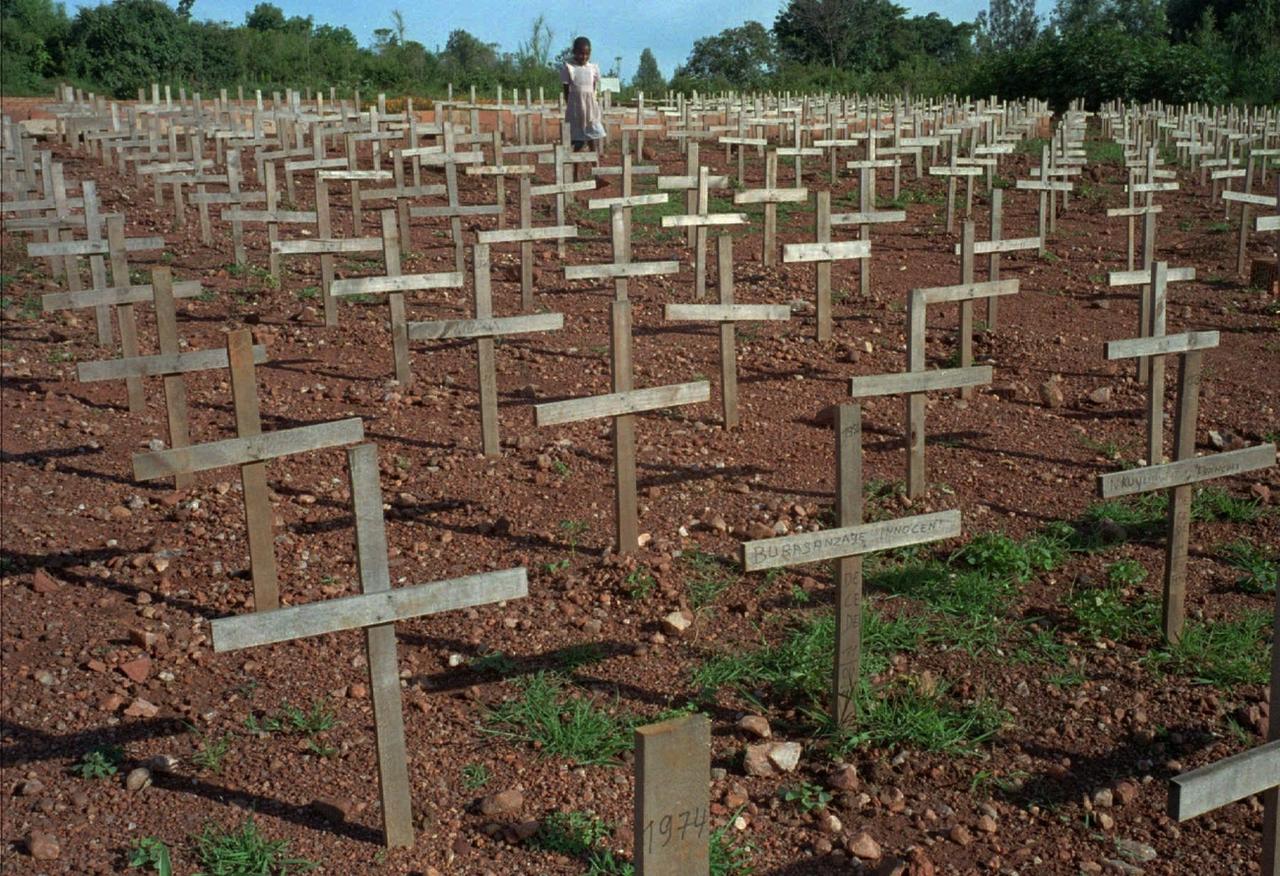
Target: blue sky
{"points": [[668, 27]]}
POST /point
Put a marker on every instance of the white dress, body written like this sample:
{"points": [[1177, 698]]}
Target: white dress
{"points": [[582, 110]]}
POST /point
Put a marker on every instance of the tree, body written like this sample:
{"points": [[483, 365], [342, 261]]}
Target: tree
{"points": [[128, 44], [648, 77], [265, 17], [740, 57], [841, 34], [535, 53], [1007, 25], [468, 53]]}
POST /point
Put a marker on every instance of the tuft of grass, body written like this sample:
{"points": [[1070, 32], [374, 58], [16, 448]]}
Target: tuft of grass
{"points": [[1221, 653], [561, 722], [150, 853], [496, 662], [1105, 613], [911, 715], [577, 656], [1103, 152], [1259, 568], [708, 578], [212, 752], [1216, 504], [244, 851], [475, 776], [1126, 573], [294, 719], [100, 763]]}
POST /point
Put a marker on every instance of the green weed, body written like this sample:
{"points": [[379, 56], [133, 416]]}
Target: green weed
{"points": [[212, 752], [475, 776], [708, 578], [495, 662], [100, 763], [805, 796], [1105, 613], [1126, 573], [640, 583], [561, 722], [244, 851], [150, 853], [1221, 653], [1216, 504], [1260, 569]]}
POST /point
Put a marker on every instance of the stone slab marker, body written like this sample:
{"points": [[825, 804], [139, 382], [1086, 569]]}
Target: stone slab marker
{"points": [[375, 611], [846, 544], [673, 803], [250, 451]]}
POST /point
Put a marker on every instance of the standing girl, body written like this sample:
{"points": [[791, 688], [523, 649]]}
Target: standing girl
{"points": [[581, 78]]}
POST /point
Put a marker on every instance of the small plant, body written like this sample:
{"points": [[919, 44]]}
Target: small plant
{"points": [[572, 530], [1073, 677], [244, 851], [307, 293], [1104, 613], [150, 853], [1215, 503], [1218, 227], [708, 578], [1126, 573], [561, 722], [293, 719], [580, 835], [560, 467], [475, 776], [576, 656], [1221, 653], [1259, 568], [806, 796], [100, 763], [799, 595], [495, 662], [640, 583], [211, 754], [57, 357]]}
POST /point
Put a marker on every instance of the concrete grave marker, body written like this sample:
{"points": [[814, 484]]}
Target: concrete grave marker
{"points": [[672, 802]]}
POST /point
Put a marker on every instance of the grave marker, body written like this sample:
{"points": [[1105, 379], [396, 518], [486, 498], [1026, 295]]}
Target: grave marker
{"points": [[823, 253], [728, 315], [867, 214], [846, 544], [250, 451], [484, 328], [700, 222], [968, 249], [375, 611], [771, 196], [672, 797], [1186, 469]]}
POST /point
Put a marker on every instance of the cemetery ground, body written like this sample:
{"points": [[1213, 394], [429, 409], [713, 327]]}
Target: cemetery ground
{"points": [[1019, 710]]}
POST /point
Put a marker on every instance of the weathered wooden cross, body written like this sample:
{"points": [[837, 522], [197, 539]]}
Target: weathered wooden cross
{"points": [[771, 196], [250, 451], [273, 216], [867, 214], [700, 222], [968, 249], [1186, 469], [376, 610], [622, 404], [526, 235], [823, 252], [916, 382], [846, 544], [728, 314], [952, 171], [394, 284], [484, 329]]}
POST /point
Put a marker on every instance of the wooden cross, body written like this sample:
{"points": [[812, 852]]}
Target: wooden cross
{"points": [[867, 214], [1247, 201], [626, 172], [1048, 190], [376, 611], [526, 235], [455, 209], [621, 268], [273, 216], [916, 381], [170, 363], [400, 194], [771, 196], [672, 797], [394, 284], [326, 247], [952, 171], [728, 314], [250, 451], [116, 247], [622, 404], [1186, 469], [690, 183], [846, 544], [484, 328], [823, 253], [968, 249], [741, 143], [701, 221], [1154, 283], [57, 220]]}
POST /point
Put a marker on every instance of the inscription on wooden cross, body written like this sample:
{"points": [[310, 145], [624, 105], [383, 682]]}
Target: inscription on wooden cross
{"points": [[771, 196], [673, 798], [846, 544], [484, 329], [1186, 469], [728, 314], [376, 611], [822, 253], [916, 381], [250, 451]]}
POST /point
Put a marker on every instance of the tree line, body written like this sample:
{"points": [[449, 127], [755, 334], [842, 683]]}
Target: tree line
{"points": [[1172, 50]]}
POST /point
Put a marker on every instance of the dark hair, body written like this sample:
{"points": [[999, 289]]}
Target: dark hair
{"points": [[581, 42]]}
